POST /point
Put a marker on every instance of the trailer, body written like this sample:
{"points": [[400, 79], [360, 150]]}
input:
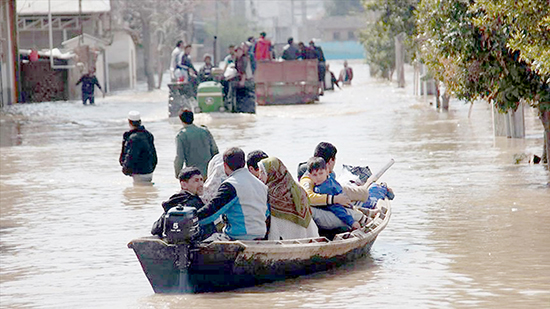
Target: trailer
{"points": [[274, 83], [287, 82]]}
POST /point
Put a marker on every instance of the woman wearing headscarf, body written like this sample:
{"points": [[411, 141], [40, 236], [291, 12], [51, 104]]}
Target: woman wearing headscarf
{"points": [[289, 204]]}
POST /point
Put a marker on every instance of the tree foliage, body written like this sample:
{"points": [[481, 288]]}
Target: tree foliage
{"points": [[528, 22], [379, 50], [394, 17], [481, 50], [468, 49]]}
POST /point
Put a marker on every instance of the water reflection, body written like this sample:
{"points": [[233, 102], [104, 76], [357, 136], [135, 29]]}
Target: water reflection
{"points": [[10, 134], [140, 195]]}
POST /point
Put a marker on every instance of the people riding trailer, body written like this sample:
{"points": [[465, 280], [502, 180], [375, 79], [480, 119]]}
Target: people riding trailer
{"points": [[205, 72], [185, 69], [239, 80]]}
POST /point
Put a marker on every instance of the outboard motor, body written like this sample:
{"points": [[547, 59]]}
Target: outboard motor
{"points": [[181, 225]]}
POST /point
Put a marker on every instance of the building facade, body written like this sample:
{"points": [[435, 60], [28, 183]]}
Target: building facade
{"points": [[82, 29]]}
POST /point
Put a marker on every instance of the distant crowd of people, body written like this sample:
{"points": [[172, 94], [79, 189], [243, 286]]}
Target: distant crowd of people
{"points": [[255, 195], [239, 64], [241, 61]]}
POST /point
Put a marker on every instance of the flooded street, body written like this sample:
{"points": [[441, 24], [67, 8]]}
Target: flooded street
{"points": [[470, 228]]}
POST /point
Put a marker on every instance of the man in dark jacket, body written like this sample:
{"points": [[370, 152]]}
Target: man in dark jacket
{"points": [[89, 81], [191, 183], [320, 65], [138, 157], [290, 51]]}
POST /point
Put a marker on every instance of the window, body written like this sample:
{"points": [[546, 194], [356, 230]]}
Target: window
{"points": [[336, 36], [351, 35]]}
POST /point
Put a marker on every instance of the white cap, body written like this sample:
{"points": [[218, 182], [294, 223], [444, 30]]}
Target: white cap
{"points": [[134, 116]]}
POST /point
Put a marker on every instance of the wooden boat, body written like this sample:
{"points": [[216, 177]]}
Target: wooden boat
{"points": [[225, 265]]}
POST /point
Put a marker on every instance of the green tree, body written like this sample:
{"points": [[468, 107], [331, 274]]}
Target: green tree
{"points": [[529, 24], [394, 17], [468, 46], [379, 50]]}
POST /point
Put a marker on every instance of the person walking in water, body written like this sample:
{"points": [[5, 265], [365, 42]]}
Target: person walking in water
{"points": [[195, 146], [320, 65], [89, 81], [138, 157], [346, 75]]}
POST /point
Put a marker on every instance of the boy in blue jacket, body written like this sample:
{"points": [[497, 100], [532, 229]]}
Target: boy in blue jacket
{"points": [[326, 184]]}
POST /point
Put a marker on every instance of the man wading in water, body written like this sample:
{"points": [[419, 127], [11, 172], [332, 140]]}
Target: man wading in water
{"points": [[195, 146], [89, 81], [138, 157]]}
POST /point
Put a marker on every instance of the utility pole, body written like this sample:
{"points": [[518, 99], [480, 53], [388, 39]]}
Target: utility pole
{"points": [[80, 21], [304, 12], [216, 56], [304, 19], [292, 23]]}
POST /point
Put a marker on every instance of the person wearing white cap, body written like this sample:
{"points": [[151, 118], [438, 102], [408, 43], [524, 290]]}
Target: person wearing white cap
{"points": [[138, 157]]}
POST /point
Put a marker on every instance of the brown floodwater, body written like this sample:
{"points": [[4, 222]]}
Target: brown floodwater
{"points": [[469, 227]]}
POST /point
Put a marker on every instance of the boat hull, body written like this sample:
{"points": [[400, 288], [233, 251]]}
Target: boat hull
{"points": [[225, 265]]}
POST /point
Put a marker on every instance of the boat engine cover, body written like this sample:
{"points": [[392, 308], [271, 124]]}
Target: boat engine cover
{"points": [[181, 224]]}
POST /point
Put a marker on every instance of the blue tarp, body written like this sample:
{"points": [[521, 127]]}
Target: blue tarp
{"points": [[342, 50]]}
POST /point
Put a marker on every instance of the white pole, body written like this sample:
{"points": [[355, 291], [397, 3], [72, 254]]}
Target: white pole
{"points": [[50, 32], [375, 177]]}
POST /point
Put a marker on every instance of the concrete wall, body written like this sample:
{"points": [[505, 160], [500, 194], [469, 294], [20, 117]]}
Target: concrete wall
{"points": [[511, 124], [122, 61], [118, 76]]}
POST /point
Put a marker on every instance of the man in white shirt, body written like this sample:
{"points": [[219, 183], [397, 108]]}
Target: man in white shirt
{"points": [[174, 59]]}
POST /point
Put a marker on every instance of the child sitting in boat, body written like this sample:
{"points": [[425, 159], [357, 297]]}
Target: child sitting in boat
{"points": [[316, 168]]}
